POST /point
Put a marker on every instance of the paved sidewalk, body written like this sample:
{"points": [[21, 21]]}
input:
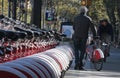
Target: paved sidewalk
{"points": [[111, 69]]}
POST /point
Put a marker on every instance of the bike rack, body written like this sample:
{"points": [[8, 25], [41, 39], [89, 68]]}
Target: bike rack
{"points": [[26, 53]]}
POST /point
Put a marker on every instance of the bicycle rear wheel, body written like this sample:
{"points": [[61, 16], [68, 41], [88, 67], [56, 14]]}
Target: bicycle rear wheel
{"points": [[98, 65]]}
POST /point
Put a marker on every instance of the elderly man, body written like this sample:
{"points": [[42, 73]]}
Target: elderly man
{"points": [[82, 23]]}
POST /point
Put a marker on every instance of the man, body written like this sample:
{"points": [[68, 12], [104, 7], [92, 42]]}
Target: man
{"points": [[105, 31], [82, 23]]}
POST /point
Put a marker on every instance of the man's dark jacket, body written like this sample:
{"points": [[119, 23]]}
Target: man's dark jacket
{"points": [[106, 30], [81, 26]]}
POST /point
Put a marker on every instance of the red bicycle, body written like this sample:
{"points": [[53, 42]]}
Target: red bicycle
{"points": [[95, 55]]}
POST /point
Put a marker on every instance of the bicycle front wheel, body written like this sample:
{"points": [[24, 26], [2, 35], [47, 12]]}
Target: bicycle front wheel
{"points": [[98, 65]]}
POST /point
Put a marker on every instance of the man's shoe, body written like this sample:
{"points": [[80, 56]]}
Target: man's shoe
{"points": [[81, 68], [76, 67]]}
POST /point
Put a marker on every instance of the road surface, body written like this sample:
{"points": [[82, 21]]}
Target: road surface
{"points": [[111, 69]]}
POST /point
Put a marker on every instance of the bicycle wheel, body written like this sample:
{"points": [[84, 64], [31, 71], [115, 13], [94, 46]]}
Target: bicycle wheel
{"points": [[106, 53], [84, 59], [98, 65], [105, 58]]}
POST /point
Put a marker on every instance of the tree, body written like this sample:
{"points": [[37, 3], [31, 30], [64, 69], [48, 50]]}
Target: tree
{"points": [[14, 9], [118, 9], [113, 10], [36, 13], [97, 11], [110, 8]]}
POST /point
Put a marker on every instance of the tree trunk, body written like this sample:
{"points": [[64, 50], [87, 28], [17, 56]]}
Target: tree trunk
{"points": [[26, 4], [9, 8], [36, 13], [110, 7], [2, 6], [118, 9], [14, 8]]}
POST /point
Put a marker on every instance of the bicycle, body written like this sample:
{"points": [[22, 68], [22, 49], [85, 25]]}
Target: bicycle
{"points": [[95, 55]]}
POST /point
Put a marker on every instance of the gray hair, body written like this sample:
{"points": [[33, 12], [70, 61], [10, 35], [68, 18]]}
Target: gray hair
{"points": [[83, 9]]}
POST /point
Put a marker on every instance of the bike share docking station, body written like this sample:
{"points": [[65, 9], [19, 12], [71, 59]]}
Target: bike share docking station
{"points": [[29, 52]]}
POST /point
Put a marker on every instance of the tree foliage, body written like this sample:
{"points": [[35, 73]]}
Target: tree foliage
{"points": [[100, 9], [97, 10], [4, 6], [69, 8]]}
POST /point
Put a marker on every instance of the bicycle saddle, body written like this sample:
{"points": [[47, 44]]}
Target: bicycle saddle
{"points": [[21, 35], [29, 32], [11, 35], [42, 33], [36, 34]]}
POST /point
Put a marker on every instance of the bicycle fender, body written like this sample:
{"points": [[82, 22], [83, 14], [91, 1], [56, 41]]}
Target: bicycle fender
{"points": [[98, 54]]}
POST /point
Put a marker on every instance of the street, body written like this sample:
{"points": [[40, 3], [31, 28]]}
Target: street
{"points": [[111, 69]]}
